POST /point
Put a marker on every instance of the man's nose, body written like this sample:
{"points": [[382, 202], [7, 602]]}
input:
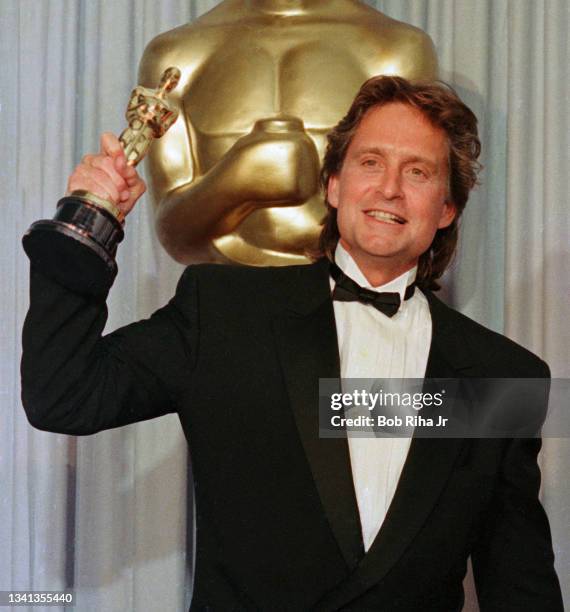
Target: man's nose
{"points": [[390, 184]]}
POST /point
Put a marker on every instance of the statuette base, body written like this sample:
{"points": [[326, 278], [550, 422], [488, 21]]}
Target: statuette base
{"points": [[52, 245]]}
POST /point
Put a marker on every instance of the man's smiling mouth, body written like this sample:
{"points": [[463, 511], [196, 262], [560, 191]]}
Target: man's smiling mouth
{"points": [[385, 216]]}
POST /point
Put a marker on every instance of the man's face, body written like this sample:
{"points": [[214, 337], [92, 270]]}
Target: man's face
{"points": [[392, 191]]}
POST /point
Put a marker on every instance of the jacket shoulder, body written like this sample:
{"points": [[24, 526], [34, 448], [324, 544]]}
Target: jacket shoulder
{"points": [[501, 356], [252, 287], [226, 275]]}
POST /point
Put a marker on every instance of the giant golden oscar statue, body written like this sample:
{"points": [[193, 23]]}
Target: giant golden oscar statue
{"points": [[236, 179]]}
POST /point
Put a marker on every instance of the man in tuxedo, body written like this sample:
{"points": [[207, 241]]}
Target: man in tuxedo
{"points": [[287, 520]]}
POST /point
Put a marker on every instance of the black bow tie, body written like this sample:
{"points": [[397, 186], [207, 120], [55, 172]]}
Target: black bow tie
{"points": [[347, 290]]}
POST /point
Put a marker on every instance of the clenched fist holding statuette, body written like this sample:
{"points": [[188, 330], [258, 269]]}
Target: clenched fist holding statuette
{"points": [[149, 116], [103, 188]]}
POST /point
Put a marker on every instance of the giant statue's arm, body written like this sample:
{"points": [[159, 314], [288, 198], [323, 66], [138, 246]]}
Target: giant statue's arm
{"points": [[262, 168]]}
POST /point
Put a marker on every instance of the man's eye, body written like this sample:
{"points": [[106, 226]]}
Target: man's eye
{"points": [[370, 163], [418, 172]]}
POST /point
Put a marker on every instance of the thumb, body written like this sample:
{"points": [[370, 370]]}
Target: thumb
{"points": [[110, 145]]}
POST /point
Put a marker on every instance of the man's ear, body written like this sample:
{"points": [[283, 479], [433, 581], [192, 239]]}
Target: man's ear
{"points": [[448, 214], [332, 191]]}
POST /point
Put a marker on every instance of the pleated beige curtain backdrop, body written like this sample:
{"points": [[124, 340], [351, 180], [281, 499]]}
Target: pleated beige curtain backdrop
{"points": [[112, 514]]}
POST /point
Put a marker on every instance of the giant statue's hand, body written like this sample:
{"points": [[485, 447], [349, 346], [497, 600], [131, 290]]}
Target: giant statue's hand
{"points": [[108, 176], [275, 164]]}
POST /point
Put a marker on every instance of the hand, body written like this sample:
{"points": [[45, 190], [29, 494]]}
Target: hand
{"points": [[107, 175]]}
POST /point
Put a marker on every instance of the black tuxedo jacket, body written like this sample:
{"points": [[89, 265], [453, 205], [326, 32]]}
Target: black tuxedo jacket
{"points": [[237, 353]]}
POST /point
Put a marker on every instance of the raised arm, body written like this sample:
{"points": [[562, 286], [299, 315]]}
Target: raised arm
{"points": [[74, 379]]}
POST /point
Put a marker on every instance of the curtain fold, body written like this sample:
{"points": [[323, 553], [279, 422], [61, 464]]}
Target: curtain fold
{"points": [[109, 514]]}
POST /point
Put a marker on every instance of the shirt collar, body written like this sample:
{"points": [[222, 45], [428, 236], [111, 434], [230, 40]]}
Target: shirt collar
{"points": [[347, 264]]}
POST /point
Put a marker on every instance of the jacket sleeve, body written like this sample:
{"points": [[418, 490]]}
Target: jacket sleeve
{"points": [[513, 561], [76, 381]]}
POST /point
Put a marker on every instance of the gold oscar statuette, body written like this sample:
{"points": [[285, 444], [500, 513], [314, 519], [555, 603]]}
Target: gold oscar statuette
{"points": [[149, 116], [96, 223]]}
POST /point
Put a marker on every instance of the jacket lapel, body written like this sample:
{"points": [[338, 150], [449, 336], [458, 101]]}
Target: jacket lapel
{"points": [[427, 468], [449, 355], [308, 348]]}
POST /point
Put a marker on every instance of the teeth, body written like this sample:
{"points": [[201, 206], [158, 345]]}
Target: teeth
{"points": [[379, 214]]}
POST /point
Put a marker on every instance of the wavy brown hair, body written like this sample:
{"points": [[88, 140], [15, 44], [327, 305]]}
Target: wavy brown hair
{"points": [[441, 105]]}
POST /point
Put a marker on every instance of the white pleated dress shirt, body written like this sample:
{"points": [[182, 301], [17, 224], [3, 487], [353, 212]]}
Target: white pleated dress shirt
{"points": [[372, 345]]}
